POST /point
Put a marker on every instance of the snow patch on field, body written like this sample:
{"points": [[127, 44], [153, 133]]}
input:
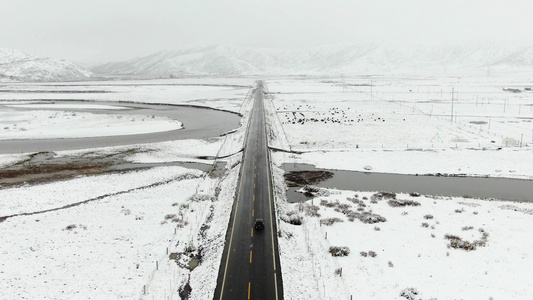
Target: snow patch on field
{"points": [[411, 248], [39, 124]]}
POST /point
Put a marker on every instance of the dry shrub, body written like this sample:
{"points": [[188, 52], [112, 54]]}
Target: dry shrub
{"points": [[330, 221], [312, 210], [342, 208], [339, 251], [365, 217], [402, 203], [383, 195], [410, 294], [458, 243]]}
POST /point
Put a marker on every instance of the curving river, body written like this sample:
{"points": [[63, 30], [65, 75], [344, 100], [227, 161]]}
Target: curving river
{"points": [[198, 122]]}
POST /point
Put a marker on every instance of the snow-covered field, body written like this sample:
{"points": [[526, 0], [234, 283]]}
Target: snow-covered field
{"points": [[126, 235], [58, 123], [114, 244], [405, 126]]}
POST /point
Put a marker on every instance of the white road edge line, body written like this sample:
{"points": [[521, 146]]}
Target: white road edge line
{"points": [[233, 225], [270, 208]]}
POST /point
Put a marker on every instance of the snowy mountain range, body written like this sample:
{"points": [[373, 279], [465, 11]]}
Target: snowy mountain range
{"points": [[16, 66], [346, 59]]}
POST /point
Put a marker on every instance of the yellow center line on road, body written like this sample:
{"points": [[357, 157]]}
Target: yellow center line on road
{"points": [[250, 256], [249, 286], [255, 175], [252, 235], [253, 212], [254, 197]]}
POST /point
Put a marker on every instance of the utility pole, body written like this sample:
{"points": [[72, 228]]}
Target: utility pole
{"points": [[371, 95], [451, 116]]}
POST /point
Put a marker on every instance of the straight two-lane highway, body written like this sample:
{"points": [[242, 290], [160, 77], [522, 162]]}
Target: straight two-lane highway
{"points": [[250, 266]]}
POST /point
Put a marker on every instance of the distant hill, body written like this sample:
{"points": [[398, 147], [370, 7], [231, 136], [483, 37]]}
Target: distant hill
{"points": [[351, 58], [15, 66]]}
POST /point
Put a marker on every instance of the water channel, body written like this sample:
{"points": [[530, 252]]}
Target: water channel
{"points": [[476, 187], [198, 123]]}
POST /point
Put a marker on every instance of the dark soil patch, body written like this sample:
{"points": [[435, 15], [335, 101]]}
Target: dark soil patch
{"points": [[302, 178], [46, 167]]}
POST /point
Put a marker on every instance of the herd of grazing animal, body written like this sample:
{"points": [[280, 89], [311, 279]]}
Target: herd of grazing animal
{"points": [[305, 113]]}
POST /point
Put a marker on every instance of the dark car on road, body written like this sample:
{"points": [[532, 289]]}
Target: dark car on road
{"points": [[259, 224]]}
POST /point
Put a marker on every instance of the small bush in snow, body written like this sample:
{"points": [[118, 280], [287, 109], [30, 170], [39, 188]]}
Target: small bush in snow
{"points": [[401, 203], [339, 251], [296, 220], [342, 208], [363, 254], [365, 217], [383, 195], [458, 243], [410, 294], [390, 264], [426, 225], [312, 210], [428, 217], [330, 221], [372, 253], [326, 203], [377, 228], [465, 228], [338, 271], [71, 226], [170, 216], [292, 218], [202, 197]]}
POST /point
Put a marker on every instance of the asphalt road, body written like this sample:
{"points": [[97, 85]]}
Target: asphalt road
{"points": [[250, 266]]}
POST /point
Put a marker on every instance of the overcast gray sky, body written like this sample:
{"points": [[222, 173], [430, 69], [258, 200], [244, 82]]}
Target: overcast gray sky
{"points": [[93, 31]]}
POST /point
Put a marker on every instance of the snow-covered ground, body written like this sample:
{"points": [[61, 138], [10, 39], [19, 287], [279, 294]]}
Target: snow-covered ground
{"points": [[404, 126], [126, 235], [114, 243], [225, 94], [32, 123]]}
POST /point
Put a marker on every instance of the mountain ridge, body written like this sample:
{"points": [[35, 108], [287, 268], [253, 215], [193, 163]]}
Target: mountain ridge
{"points": [[16, 66], [348, 58]]}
